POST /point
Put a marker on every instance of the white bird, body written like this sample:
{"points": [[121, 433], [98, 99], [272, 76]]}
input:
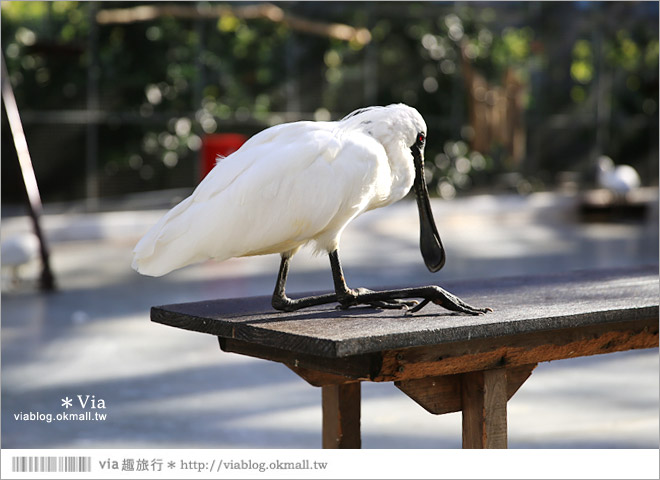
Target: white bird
{"points": [[18, 250], [300, 183], [619, 180]]}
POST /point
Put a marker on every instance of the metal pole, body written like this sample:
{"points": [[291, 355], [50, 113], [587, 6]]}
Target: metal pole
{"points": [[198, 92], [92, 140], [47, 281]]}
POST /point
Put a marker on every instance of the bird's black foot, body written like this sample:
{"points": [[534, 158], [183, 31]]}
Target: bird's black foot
{"points": [[401, 299], [449, 301], [285, 304], [389, 299], [354, 297]]}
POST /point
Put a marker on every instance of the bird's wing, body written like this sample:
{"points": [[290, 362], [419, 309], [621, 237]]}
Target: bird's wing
{"points": [[284, 187], [229, 168], [224, 173]]}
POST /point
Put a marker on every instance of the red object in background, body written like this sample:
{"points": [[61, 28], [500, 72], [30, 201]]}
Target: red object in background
{"points": [[219, 144]]}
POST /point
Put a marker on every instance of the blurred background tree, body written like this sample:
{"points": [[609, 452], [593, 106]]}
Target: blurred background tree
{"points": [[117, 97]]}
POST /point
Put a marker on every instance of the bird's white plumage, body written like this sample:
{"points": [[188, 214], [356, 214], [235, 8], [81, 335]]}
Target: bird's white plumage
{"points": [[19, 249], [619, 179], [288, 185]]}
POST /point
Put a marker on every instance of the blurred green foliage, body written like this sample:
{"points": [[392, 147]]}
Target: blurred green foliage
{"points": [[165, 83]]}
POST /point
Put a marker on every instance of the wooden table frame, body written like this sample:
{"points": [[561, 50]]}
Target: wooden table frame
{"points": [[476, 376]]}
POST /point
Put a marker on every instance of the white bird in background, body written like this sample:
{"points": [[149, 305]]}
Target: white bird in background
{"points": [[19, 250], [619, 180], [300, 183]]}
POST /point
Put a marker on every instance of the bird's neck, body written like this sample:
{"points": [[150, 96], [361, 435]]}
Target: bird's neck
{"points": [[403, 171]]}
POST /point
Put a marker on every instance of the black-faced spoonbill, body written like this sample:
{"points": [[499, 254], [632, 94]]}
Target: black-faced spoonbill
{"points": [[300, 183]]}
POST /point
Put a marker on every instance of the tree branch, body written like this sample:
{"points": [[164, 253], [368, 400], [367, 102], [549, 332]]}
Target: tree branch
{"points": [[145, 13]]}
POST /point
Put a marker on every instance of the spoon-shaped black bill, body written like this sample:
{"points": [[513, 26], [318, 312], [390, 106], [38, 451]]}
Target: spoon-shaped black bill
{"points": [[429, 239]]}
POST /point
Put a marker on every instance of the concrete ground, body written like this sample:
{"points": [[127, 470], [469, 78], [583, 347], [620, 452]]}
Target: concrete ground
{"points": [[163, 387]]}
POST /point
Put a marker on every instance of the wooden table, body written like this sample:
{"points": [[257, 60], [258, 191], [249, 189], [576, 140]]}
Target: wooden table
{"points": [[445, 362]]}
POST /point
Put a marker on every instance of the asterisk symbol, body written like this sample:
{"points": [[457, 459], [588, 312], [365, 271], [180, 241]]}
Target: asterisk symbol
{"points": [[67, 402], [171, 465]]}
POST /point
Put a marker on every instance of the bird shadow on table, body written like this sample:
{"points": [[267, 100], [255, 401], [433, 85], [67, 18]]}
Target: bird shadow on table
{"points": [[351, 313]]}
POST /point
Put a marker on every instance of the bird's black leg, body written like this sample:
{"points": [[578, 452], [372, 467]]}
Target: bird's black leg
{"points": [[281, 302], [348, 297], [345, 296]]}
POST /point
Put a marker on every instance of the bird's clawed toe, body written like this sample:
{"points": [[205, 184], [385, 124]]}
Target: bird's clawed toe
{"points": [[419, 306], [397, 304]]}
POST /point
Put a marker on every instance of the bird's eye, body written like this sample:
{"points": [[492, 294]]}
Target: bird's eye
{"points": [[420, 138]]}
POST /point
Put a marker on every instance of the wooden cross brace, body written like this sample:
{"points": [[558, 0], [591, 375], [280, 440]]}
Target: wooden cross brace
{"points": [[482, 397]]}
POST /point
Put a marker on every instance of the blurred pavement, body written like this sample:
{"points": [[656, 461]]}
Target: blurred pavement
{"points": [[169, 388]]}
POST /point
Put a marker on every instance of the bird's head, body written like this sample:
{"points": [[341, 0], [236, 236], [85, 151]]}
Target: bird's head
{"points": [[394, 126], [402, 128], [604, 164]]}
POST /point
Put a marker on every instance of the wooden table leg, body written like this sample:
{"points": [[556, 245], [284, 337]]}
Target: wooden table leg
{"points": [[341, 415], [484, 398]]}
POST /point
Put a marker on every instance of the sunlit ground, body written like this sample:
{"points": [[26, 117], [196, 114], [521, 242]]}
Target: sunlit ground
{"points": [[165, 387]]}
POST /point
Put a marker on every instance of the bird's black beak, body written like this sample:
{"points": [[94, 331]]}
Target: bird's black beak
{"points": [[429, 240]]}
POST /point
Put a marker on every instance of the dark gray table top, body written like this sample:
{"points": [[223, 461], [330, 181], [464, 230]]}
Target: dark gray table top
{"points": [[521, 305]]}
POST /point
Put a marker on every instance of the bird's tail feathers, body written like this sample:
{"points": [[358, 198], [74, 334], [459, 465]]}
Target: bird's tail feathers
{"points": [[158, 252]]}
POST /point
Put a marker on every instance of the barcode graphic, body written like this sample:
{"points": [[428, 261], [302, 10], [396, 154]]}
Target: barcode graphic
{"points": [[51, 464]]}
